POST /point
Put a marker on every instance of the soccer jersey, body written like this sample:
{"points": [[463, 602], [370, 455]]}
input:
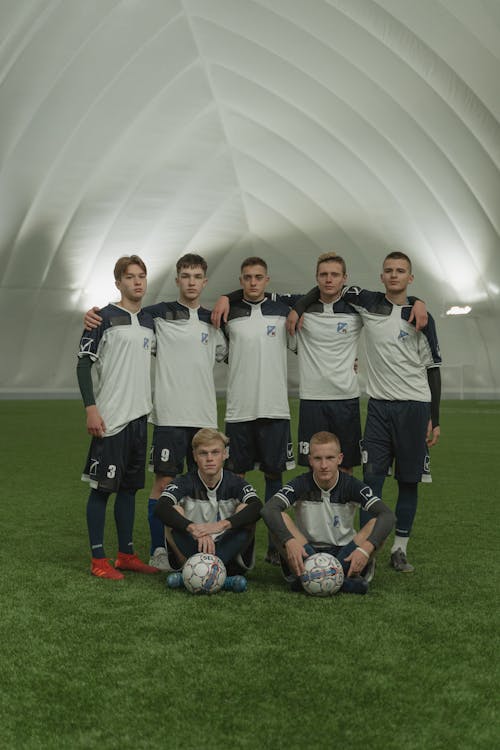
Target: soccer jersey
{"points": [[203, 504], [121, 348], [398, 355], [188, 347], [327, 348], [257, 384], [326, 516]]}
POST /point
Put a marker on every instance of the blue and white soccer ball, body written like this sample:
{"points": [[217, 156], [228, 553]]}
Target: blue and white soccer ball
{"points": [[323, 575], [204, 574]]}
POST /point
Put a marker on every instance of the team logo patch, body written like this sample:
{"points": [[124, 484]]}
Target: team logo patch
{"points": [[402, 335], [204, 338], [271, 330], [86, 344], [336, 522], [146, 343], [341, 327]]}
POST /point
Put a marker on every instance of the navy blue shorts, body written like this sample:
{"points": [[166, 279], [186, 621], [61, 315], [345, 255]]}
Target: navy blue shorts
{"points": [[170, 446], [264, 444], [340, 417], [397, 431], [118, 462]]}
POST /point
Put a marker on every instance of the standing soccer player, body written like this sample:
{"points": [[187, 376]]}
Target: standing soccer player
{"points": [[327, 349], [404, 389], [184, 398], [257, 410], [120, 347]]}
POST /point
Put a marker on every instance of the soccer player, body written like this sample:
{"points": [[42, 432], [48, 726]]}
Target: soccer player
{"points": [[211, 510], [325, 502], [188, 345], [327, 350], [404, 389], [120, 347], [257, 410]]}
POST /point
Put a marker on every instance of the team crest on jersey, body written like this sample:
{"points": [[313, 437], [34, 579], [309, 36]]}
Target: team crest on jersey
{"points": [[341, 327], [145, 344], [402, 335], [271, 330], [204, 338], [336, 522]]}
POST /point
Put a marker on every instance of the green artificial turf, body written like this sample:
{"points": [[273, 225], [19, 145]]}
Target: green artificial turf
{"points": [[87, 663]]}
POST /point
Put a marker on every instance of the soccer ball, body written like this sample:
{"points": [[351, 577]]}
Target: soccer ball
{"points": [[204, 574], [323, 575]]}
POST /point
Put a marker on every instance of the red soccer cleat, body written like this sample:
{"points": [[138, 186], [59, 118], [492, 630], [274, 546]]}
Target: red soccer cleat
{"points": [[102, 568], [125, 561]]}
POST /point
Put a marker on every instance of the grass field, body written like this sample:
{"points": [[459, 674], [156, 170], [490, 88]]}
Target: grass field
{"points": [[87, 663]]}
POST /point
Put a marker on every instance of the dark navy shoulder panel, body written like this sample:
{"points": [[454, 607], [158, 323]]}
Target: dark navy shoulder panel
{"points": [[114, 316], [204, 315], [168, 311], [373, 302], [271, 307], [146, 319], [240, 309]]}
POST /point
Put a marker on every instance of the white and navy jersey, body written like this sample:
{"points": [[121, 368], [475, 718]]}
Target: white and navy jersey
{"points": [[203, 504], [188, 347], [121, 347], [327, 347], [398, 355], [326, 516], [257, 384]]}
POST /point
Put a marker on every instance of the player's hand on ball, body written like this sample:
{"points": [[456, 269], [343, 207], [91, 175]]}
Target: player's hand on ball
{"points": [[296, 555], [206, 544]]}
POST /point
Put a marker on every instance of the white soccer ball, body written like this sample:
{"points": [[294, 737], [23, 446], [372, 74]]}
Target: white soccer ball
{"points": [[323, 575], [204, 574]]}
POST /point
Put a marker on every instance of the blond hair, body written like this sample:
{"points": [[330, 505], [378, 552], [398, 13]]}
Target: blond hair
{"points": [[208, 435]]}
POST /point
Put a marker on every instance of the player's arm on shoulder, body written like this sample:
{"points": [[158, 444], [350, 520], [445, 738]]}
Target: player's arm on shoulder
{"points": [[434, 430], [418, 313], [91, 318], [220, 311], [294, 318]]}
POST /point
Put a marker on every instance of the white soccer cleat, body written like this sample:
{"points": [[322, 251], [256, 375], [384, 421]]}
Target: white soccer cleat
{"points": [[159, 559]]}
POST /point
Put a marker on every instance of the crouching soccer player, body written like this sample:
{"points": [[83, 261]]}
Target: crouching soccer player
{"points": [[210, 510], [325, 502], [121, 348]]}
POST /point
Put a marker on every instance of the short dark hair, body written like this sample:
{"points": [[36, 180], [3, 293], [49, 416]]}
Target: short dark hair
{"points": [[398, 255], [331, 258], [191, 260], [124, 262], [254, 260]]}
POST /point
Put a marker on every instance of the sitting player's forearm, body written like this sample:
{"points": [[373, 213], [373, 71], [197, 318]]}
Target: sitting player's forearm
{"points": [[247, 516], [167, 513], [271, 513]]}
